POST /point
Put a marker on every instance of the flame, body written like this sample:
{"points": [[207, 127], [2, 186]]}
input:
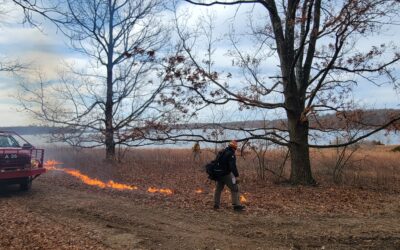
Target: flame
{"points": [[85, 179], [120, 186], [166, 191], [198, 191], [98, 183], [51, 164], [152, 190]]}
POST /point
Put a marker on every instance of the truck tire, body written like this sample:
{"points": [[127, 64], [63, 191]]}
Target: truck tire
{"points": [[26, 184]]}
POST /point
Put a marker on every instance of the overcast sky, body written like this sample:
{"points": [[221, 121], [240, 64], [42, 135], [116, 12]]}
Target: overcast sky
{"points": [[46, 51]]}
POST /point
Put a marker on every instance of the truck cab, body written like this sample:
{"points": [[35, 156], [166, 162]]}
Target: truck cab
{"points": [[20, 161]]}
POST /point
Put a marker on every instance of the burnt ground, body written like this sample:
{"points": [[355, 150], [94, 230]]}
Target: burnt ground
{"points": [[61, 213]]}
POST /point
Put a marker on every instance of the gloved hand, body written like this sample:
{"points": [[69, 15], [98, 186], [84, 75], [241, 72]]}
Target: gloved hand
{"points": [[237, 180]]}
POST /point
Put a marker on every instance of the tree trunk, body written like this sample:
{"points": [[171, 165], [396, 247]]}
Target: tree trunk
{"points": [[109, 116], [109, 133], [299, 151], [110, 149]]}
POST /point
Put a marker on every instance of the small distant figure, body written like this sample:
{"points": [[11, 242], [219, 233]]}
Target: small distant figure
{"points": [[196, 151]]}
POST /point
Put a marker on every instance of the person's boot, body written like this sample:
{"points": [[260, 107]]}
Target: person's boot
{"points": [[216, 207], [238, 208]]}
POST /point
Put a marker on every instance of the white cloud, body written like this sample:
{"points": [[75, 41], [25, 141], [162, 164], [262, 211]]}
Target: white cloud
{"points": [[376, 97], [41, 52], [10, 115]]}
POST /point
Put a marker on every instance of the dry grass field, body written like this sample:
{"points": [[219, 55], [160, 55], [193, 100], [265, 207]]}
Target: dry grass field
{"points": [[368, 167]]}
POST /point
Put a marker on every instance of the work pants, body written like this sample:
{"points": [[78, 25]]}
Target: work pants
{"points": [[234, 188]]}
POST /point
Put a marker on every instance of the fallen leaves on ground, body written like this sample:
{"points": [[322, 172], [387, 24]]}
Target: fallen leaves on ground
{"points": [[22, 229]]}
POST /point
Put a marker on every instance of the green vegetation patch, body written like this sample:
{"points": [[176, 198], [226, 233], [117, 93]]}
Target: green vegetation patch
{"points": [[396, 149]]}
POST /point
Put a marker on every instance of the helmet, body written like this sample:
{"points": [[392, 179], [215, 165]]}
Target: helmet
{"points": [[233, 144]]}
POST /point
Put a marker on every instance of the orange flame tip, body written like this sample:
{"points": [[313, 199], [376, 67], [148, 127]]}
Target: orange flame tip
{"points": [[166, 191], [51, 164], [152, 190], [120, 186]]}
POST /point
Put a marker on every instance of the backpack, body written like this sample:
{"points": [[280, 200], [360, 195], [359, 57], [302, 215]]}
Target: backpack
{"points": [[214, 168]]}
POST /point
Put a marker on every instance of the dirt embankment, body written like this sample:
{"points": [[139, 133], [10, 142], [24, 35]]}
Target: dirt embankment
{"points": [[67, 215]]}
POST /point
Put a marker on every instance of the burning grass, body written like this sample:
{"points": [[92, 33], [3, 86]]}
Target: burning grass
{"points": [[174, 173], [55, 165]]}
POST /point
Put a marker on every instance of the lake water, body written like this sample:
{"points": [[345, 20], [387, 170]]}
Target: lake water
{"points": [[386, 138]]}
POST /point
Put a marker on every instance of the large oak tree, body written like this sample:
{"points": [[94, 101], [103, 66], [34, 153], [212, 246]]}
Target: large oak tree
{"points": [[320, 55]]}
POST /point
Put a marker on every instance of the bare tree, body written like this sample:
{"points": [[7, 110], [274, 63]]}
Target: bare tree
{"points": [[317, 44], [11, 66], [103, 103]]}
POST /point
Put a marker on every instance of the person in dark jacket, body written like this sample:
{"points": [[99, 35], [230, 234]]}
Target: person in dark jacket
{"points": [[230, 177]]}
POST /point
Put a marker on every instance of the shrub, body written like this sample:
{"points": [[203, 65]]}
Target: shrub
{"points": [[396, 149]]}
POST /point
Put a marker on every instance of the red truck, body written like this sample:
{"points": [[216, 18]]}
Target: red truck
{"points": [[20, 162]]}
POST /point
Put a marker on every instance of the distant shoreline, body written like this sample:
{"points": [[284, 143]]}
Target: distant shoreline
{"points": [[328, 121]]}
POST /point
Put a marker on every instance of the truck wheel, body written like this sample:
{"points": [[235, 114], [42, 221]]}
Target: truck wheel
{"points": [[26, 184]]}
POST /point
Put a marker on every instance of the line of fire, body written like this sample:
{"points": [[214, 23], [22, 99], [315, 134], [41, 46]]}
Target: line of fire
{"points": [[55, 166]]}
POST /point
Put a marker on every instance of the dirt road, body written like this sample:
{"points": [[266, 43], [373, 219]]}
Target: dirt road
{"points": [[57, 216]]}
